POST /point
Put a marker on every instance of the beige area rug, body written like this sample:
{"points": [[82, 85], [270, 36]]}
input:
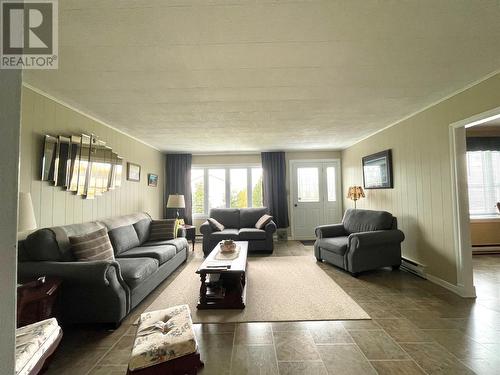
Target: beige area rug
{"points": [[285, 288]]}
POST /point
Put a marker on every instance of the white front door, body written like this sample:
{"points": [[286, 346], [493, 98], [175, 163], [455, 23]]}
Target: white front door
{"points": [[315, 196]]}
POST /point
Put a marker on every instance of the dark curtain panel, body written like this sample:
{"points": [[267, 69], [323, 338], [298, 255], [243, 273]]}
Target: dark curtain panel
{"points": [[483, 144], [179, 182], [274, 187]]}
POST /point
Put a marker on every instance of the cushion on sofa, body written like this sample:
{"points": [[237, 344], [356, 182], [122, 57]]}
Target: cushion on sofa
{"points": [[246, 234], [92, 246], [366, 220], [262, 222], [161, 253], [180, 243], [163, 229], [250, 216], [337, 245], [229, 217], [123, 238], [135, 270], [215, 225], [142, 228], [226, 234]]}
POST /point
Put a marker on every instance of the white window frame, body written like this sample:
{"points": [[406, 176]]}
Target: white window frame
{"points": [[227, 169], [487, 182]]}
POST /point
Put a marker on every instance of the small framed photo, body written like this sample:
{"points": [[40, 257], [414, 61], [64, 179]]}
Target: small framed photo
{"points": [[377, 170], [133, 172], [152, 179]]}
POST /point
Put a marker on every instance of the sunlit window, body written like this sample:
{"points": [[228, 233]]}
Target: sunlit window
{"points": [[219, 187], [483, 172]]}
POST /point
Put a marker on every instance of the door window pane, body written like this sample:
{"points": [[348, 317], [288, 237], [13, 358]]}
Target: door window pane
{"points": [[238, 188], [216, 188], [331, 184], [307, 185], [198, 190], [257, 187]]}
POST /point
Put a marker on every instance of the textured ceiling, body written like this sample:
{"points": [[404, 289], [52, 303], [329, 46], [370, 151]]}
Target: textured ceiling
{"points": [[212, 76]]}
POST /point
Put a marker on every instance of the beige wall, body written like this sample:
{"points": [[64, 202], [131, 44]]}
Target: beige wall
{"points": [[10, 111], [53, 205], [421, 198], [251, 159]]}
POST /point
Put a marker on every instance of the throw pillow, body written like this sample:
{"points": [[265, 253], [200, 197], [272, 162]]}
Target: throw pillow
{"points": [[262, 222], [163, 230], [92, 246], [216, 226]]}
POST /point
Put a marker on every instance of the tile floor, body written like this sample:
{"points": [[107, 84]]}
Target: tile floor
{"points": [[417, 328]]}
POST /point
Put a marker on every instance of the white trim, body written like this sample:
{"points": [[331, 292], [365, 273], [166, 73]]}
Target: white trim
{"points": [[461, 218], [427, 107], [457, 289], [290, 164], [93, 118]]}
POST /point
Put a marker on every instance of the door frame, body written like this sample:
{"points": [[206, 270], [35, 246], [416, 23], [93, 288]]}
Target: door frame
{"points": [[291, 190], [460, 200]]}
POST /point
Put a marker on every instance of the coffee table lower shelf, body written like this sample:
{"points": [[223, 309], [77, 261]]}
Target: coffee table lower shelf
{"points": [[229, 293]]}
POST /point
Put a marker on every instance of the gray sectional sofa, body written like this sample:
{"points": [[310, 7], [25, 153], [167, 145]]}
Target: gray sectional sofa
{"points": [[239, 226], [102, 291], [365, 240]]}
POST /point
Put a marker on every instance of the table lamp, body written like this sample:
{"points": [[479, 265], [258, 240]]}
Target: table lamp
{"points": [[26, 216], [176, 201], [354, 193]]}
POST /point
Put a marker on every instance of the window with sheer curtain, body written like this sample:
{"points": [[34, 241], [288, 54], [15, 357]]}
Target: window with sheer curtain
{"points": [[483, 173]]}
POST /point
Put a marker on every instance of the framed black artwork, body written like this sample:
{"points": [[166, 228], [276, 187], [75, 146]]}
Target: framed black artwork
{"points": [[377, 170]]}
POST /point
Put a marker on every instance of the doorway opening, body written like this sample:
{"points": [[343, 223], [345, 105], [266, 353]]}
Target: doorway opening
{"points": [[315, 196], [475, 162]]}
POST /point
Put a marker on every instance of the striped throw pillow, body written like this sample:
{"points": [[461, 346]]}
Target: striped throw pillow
{"points": [[163, 230], [92, 246]]}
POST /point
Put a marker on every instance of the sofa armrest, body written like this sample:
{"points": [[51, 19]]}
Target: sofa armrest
{"points": [[270, 227], [206, 228], [330, 230], [92, 292], [90, 272], [374, 238]]}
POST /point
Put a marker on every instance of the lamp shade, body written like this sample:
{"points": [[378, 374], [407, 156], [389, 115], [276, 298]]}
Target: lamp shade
{"points": [[176, 201], [26, 216], [355, 192]]}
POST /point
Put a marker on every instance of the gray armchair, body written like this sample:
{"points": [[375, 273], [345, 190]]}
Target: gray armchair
{"points": [[365, 240]]}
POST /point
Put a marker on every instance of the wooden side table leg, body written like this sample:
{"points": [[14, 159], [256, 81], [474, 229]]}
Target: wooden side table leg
{"points": [[203, 290]]}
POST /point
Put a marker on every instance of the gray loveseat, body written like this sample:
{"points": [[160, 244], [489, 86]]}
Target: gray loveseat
{"points": [[239, 226], [365, 240], [102, 291]]}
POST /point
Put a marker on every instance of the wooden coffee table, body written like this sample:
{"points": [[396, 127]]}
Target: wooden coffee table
{"points": [[224, 282]]}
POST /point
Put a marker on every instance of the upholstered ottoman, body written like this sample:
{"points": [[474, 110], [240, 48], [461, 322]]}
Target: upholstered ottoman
{"points": [[165, 344], [35, 344]]}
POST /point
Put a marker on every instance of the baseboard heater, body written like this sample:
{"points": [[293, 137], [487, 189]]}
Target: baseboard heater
{"points": [[413, 267], [486, 249]]}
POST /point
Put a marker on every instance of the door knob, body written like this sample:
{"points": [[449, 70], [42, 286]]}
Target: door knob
{"points": [[295, 205]]}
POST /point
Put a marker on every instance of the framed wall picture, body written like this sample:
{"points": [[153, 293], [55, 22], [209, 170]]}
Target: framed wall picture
{"points": [[377, 170], [133, 172], [152, 179]]}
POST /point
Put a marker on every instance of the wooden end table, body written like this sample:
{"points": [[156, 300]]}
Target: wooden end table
{"points": [[36, 300], [190, 233], [224, 287]]}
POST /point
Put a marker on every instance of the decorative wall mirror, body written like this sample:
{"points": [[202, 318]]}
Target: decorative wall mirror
{"points": [[75, 144], [49, 158], [61, 163], [82, 164]]}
